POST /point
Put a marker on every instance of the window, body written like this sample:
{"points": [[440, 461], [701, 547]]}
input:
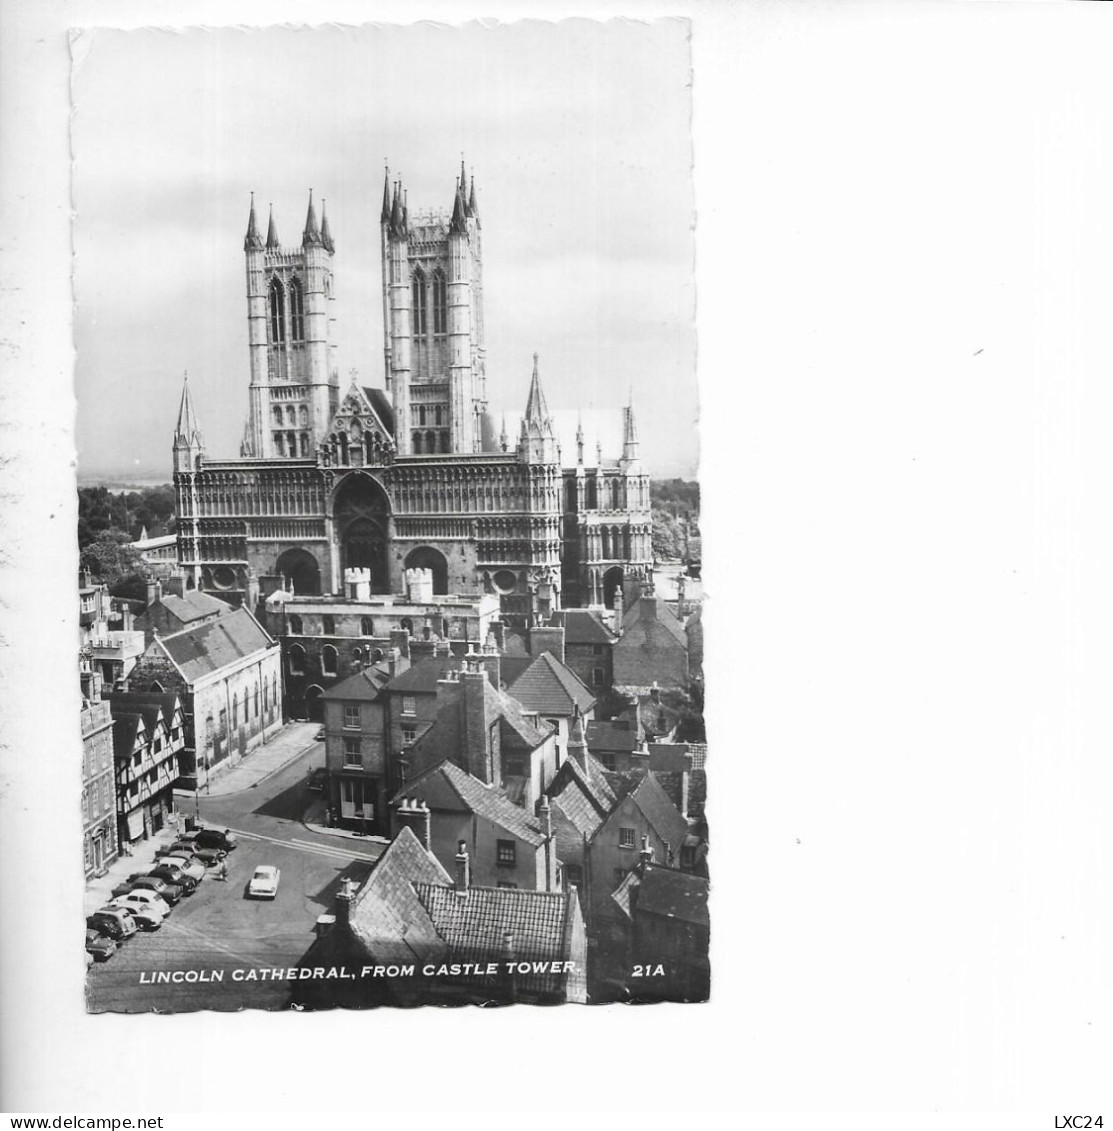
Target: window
{"points": [[328, 660], [235, 710], [506, 853], [687, 856], [294, 621], [352, 753], [158, 744], [328, 625], [409, 735], [421, 414], [366, 626], [138, 759], [607, 758], [437, 415], [297, 660], [507, 884], [420, 323], [625, 838], [597, 649], [133, 789], [255, 702], [515, 767], [409, 705], [297, 316], [598, 676], [573, 875], [417, 443], [278, 312], [440, 303], [619, 876], [351, 715]]}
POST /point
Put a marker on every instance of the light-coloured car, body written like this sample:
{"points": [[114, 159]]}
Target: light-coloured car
{"points": [[190, 865], [140, 897], [146, 918], [264, 882]]}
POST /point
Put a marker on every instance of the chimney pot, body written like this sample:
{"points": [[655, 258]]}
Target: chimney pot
{"points": [[462, 869]]}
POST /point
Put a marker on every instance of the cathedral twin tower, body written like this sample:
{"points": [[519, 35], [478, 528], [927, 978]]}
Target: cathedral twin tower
{"points": [[411, 476]]}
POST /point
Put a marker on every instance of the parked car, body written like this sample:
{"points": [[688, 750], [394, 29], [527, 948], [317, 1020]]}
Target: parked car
{"points": [[98, 945], [318, 780], [175, 876], [320, 735], [170, 893], [264, 882], [190, 866], [222, 840], [145, 918], [139, 897], [114, 922], [207, 856]]}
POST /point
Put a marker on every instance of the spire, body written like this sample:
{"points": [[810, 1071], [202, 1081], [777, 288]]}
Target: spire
{"points": [[504, 439], [326, 235], [537, 411], [396, 210], [406, 211], [580, 438], [252, 242], [187, 431], [384, 215], [459, 221], [272, 231], [311, 237], [473, 208], [598, 451], [630, 435]]}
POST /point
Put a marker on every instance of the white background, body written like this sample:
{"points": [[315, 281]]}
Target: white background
{"points": [[903, 286]]}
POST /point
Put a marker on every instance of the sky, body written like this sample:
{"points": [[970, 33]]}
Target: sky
{"points": [[578, 134]]}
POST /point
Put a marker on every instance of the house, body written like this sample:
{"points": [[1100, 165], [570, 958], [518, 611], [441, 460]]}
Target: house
{"points": [[170, 612], [226, 671], [98, 789], [652, 649], [613, 741], [356, 749], [486, 733], [588, 646], [148, 735], [509, 846], [416, 933], [547, 689], [665, 914], [110, 643]]}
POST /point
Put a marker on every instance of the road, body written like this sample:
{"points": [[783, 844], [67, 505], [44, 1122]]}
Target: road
{"points": [[218, 931]]}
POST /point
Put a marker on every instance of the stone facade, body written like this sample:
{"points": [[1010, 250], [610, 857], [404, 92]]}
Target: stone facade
{"points": [[409, 477], [98, 788]]}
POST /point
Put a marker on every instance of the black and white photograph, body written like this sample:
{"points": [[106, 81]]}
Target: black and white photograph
{"points": [[390, 589]]}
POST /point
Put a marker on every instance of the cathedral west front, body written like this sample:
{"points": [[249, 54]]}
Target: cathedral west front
{"points": [[409, 476]]}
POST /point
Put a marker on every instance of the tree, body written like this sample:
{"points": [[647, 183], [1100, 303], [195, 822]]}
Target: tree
{"points": [[110, 559]]}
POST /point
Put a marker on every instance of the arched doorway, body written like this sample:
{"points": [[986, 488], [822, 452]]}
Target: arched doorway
{"points": [[313, 708], [300, 566], [612, 584], [425, 557], [362, 514]]}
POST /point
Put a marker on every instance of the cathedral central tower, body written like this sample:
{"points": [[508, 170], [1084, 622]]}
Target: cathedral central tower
{"points": [[433, 322]]}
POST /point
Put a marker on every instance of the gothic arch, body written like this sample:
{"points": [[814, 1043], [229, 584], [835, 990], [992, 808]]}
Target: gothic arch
{"points": [[314, 709], [361, 510], [425, 557], [612, 584], [301, 567]]}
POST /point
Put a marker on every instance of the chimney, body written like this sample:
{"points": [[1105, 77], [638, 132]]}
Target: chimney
{"points": [[618, 610], [497, 630], [577, 740], [547, 638], [510, 957], [153, 591], [463, 869], [415, 816], [639, 758], [681, 584], [344, 903], [645, 855], [492, 661], [400, 641], [481, 760]]}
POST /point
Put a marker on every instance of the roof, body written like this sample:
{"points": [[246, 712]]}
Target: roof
{"points": [[195, 605], [549, 687], [672, 894], [620, 735], [422, 678], [204, 650], [384, 410], [571, 794], [125, 729], [364, 685], [484, 800], [659, 811], [585, 626], [643, 614], [168, 701]]}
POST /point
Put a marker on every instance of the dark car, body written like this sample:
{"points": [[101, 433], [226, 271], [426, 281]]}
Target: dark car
{"points": [[318, 780], [207, 856], [170, 893], [222, 841], [175, 876], [100, 947], [113, 922]]}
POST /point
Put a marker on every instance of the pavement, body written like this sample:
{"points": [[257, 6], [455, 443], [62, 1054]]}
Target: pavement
{"points": [[260, 764]]}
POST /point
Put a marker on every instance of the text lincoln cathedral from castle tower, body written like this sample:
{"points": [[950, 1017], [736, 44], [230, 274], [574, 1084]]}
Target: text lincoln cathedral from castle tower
{"points": [[336, 477]]}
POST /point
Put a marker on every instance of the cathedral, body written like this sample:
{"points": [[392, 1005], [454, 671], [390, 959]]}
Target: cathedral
{"points": [[409, 476]]}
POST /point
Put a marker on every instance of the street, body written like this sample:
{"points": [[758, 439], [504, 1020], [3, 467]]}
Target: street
{"points": [[218, 931]]}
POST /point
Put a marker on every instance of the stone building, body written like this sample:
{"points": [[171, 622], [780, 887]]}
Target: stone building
{"points": [[410, 476], [98, 788]]}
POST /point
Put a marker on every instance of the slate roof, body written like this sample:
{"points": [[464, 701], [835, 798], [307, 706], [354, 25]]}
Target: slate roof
{"points": [[149, 711], [130, 700], [483, 800], [572, 795], [201, 651], [585, 626], [644, 612], [422, 677], [659, 811], [671, 894], [125, 728], [195, 605], [619, 735], [387, 916], [364, 685], [475, 925], [549, 687]]}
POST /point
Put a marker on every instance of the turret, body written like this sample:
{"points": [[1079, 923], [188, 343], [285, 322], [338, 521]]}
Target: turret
{"points": [[252, 241], [630, 435], [460, 382], [326, 235], [272, 232], [580, 442], [188, 444], [537, 443], [396, 279]]}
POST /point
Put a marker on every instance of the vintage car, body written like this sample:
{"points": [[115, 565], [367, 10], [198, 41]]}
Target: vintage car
{"points": [[264, 882]]}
